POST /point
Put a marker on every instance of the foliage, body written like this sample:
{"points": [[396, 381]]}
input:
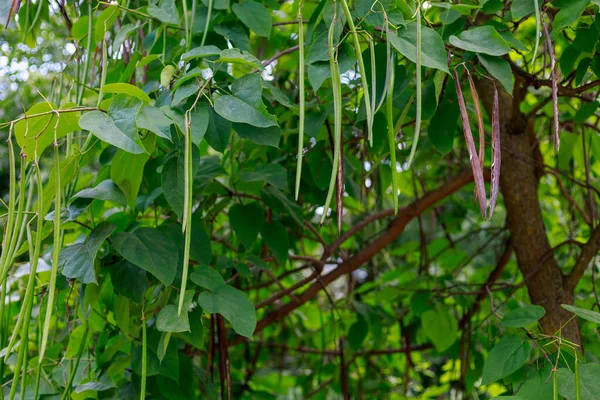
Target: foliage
{"points": [[260, 199]]}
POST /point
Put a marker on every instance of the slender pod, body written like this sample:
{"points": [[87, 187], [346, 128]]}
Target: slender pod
{"points": [[554, 87], [55, 248], [477, 170], [207, 23], [388, 64], [336, 87], [12, 185], [537, 30], [496, 154], [392, 138], [373, 75], [300, 98], [88, 52], [417, 90], [361, 69], [480, 124], [69, 385], [186, 26], [187, 205], [144, 358]]}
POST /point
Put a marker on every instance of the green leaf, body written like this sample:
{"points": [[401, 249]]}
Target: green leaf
{"points": [[38, 132], [169, 321], [277, 200], [122, 35], [218, 132], [184, 92], [569, 12], [104, 21], [589, 384], [150, 250], [127, 171], [440, 327], [200, 52], [276, 238], [433, 52], [196, 334], [77, 260], [358, 333], [207, 278], [255, 16], [588, 315], [505, 358], [75, 338], [236, 110], [200, 247], [173, 179], [262, 136], [165, 11], [232, 304], [274, 174], [237, 56], [103, 127], [129, 280], [522, 317], [499, 69], [154, 120], [199, 122], [444, 122], [126, 88], [481, 39], [106, 190], [521, 8], [586, 110], [247, 220]]}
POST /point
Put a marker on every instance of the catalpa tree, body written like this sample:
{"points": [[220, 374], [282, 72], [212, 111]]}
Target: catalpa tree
{"points": [[299, 199]]}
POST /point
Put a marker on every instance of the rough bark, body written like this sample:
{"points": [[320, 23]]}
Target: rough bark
{"points": [[519, 182]]}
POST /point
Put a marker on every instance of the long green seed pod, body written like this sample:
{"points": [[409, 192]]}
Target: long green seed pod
{"points": [[6, 240], [300, 99], [74, 369], [537, 30], [417, 91], [336, 88], [34, 255], [81, 86], [392, 136], [144, 349], [187, 205], [55, 252], [20, 223], [186, 25], [206, 25], [361, 68]]}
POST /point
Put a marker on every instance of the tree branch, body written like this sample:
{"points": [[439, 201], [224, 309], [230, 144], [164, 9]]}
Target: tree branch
{"points": [[396, 227], [590, 249]]}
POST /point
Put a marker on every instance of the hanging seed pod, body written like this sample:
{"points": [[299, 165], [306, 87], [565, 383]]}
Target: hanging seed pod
{"points": [[496, 154], [476, 166], [300, 100]]}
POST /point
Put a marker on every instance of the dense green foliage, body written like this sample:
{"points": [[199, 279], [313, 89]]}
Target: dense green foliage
{"points": [[264, 199]]}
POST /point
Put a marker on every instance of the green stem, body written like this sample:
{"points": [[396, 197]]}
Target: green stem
{"points": [[144, 349]]}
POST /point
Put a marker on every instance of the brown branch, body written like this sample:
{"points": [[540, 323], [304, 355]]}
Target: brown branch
{"points": [[396, 227], [590, 249]]}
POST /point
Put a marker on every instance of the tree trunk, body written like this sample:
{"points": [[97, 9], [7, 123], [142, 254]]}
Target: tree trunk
{"points": [[519, 181]]}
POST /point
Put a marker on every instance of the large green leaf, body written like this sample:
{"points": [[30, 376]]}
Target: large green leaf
{"points": [[151, 250], [236, 110], [589, 384], [440, 327], [218, 131], [154, 120], [129, 280], [499, 69], [481, 39], [35, 134], [522, 317], [127, 171], [505, 358], [276, 238], [165, 11], [588, 315], [247, 220], [207, 278], [169, 321], [77, 260], [255, 16], [199, 122], [128, 89], [444, 122], [274, 174], [106, 190], [103, 127], [569, 12], [433, 52], [232, 304]]}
